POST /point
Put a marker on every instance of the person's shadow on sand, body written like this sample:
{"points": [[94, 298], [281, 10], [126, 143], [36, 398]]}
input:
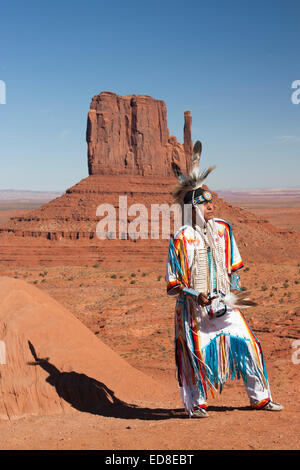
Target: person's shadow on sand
{"points": [[89, 395]]}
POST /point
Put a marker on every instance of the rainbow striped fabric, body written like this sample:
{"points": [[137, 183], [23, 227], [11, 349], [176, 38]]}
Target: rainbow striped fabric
{"points": [[206, 359]]}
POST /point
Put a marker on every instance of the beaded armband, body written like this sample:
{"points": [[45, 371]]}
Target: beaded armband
{"points": [[235, 281]]}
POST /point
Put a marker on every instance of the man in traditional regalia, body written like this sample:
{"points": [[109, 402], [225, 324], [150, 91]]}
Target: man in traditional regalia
{"points": [[213, 341]]}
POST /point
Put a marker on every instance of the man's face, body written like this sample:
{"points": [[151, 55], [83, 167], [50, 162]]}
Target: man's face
{"points": [[208, 210]]}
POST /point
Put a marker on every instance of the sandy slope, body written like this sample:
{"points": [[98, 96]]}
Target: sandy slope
{"points": [[54, 363]]}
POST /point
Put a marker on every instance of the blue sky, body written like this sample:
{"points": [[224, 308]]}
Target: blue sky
{"points": [[230, 63]]}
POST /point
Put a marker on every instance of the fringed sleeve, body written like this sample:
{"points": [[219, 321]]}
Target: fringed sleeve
{"points": [[236, 261], [177, 272]]}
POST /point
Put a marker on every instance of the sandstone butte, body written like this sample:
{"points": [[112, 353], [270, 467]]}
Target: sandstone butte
{"points": [[129, 153], [129, 135]]}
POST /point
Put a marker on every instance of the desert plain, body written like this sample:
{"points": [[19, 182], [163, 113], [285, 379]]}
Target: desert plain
{"points": [[124, 304]]}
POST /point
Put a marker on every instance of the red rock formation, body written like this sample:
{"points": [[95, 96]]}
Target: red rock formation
{"points": [[187, 132], [129, 135], [63, 231], [129, 153]]}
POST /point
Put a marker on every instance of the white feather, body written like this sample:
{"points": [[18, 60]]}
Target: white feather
{"points": [[230, 300]]}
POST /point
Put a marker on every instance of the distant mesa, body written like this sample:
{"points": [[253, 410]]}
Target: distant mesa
{"points": [[10, 195]]}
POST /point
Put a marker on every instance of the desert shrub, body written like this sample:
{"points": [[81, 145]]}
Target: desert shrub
{"points": [[264, 288], [113, 276]]}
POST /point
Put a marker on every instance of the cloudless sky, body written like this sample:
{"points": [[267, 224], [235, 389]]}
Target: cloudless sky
{"points": [[231, 63]]}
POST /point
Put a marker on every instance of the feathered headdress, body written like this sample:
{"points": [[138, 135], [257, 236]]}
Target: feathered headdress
{"points": [[195, 178]]}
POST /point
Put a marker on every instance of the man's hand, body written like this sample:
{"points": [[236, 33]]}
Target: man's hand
{"points": [[203, 299]]}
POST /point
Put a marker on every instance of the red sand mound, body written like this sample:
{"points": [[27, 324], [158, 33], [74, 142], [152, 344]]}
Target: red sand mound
{"points": [[55, 364]]}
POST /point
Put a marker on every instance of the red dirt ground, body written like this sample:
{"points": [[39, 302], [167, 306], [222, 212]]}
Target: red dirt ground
{"points": [[124, 304], [129, 311]]}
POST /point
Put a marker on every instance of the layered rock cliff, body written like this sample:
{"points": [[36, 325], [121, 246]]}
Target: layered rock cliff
{"points": [[129, 135]]}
